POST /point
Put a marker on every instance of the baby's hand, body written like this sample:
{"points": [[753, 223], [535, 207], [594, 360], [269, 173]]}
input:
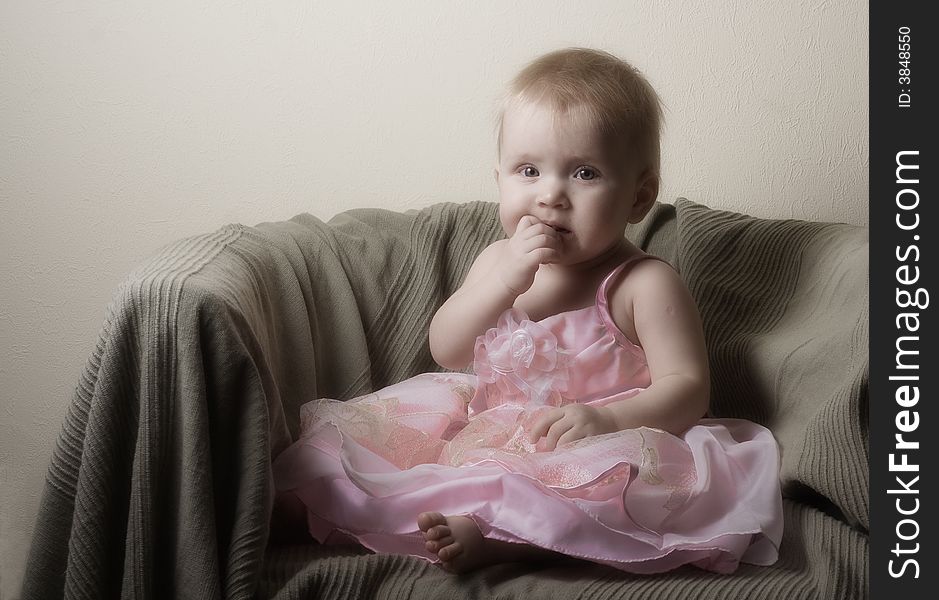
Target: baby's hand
{"points": [[532, 245], [572, 422]]}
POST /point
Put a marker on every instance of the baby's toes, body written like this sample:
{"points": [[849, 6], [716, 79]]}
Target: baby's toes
{"points": [[448, 553], [436, 545], [426, 520], [437, 532]]}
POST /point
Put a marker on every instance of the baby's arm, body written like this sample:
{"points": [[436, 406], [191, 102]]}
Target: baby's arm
{"points": [[499, 275], [670, 332], [470, 311]]}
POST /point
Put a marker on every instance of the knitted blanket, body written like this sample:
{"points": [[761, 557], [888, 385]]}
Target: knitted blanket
{"points": [[160, 482]]}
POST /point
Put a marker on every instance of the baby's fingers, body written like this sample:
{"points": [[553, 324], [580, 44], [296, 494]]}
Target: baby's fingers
{"points": [[543, 424], [545, 256], [524, 223], [541, 248], [541, 239], [557, 431], [571, 435]]}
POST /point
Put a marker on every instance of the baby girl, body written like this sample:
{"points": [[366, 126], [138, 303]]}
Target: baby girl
{"points": [[581, 431]]}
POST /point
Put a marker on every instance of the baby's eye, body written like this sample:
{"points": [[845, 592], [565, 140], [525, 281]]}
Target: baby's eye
{"points": [[586, 173], [529, 171]]}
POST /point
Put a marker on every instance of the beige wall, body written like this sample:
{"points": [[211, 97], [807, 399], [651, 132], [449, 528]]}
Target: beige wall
{"points": [[128, 124]]}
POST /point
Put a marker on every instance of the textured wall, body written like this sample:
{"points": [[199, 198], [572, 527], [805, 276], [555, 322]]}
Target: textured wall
{"points": [[129, 124]]}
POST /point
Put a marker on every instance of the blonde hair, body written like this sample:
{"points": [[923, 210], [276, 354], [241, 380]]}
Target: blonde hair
{"points": [[609, 93]]}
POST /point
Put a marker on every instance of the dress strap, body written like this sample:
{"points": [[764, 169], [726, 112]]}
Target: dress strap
{"points": [[603, 302]]}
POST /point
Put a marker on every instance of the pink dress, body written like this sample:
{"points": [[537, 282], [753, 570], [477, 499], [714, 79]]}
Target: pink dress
{"points": [[641, 500]]}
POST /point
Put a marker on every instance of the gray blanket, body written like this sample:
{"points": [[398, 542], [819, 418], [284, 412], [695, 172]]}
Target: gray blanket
{"points": [[160, 482]]}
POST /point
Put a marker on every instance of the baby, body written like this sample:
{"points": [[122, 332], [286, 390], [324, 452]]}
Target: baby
{"points": [[578, 160], [581, 432]]}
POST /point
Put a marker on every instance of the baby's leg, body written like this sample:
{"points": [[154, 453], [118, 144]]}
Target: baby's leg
{"points": [[461, 547]]}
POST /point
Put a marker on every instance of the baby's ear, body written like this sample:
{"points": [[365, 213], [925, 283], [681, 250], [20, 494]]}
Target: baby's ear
{"points": [[647, 190]]}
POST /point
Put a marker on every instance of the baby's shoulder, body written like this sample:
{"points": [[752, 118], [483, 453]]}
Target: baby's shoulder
{"points": [[647, 282], [643, 277]]}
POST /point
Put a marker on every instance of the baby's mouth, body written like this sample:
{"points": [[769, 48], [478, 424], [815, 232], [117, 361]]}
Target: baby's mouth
{"points": [[559, 229]]}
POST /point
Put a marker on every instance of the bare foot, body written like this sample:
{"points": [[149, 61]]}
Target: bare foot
{"points": [[456, 540], [461, 547]]}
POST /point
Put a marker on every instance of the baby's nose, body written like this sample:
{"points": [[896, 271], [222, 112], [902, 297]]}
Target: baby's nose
{"points": [[552, 197]]}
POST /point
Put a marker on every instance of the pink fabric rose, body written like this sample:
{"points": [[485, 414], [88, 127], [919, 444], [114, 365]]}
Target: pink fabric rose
{"points": [[519, 361]]}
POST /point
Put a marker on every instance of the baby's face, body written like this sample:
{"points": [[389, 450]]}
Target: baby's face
{"points": [[567, 175]]}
